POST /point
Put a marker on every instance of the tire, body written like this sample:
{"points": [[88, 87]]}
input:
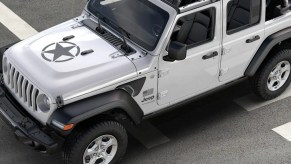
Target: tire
{"points": [[263, 82], [83, 139]]}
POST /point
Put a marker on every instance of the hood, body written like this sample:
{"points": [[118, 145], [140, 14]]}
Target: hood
{"points": [[58, 68]]}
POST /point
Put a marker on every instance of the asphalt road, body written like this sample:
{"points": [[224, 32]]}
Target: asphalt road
{"points": [[214, 129]]}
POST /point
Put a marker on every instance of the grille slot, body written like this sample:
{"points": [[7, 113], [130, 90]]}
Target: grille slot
{"points": [[21, 87]]}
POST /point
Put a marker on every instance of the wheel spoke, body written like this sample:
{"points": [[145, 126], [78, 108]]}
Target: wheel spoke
{"points": [[89, 152], [277, 68], [94, 147], [107, 157], [103, 150], [279, 75], [92, 161], [108, 143]]}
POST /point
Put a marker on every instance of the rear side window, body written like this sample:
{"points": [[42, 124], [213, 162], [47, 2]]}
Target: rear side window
{"points": [[242, 14]]}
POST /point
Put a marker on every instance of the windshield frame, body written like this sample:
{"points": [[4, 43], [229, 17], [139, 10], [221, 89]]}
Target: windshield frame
{"points": [[159, 4]]}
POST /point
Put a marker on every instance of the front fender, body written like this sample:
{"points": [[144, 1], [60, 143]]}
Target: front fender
{"points": [[85, 109]]}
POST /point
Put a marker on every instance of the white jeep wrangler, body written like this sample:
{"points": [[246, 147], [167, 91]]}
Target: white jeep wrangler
{"points": [[72, 87]]}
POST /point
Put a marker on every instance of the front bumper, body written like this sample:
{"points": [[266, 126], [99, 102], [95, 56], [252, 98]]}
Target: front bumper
{"points": [[25, 129]]}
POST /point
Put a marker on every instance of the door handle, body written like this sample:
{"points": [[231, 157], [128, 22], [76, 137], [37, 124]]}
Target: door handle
{"points": [[210, 56], [257, 37]]}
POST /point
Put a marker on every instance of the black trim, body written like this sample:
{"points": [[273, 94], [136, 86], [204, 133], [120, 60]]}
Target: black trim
{"points": [[25, 128], [265, 48], [133, 88], [85, 109]]}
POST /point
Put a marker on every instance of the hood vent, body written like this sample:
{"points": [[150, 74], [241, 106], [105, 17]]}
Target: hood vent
{"points": [[68, 38], [112, 39]]}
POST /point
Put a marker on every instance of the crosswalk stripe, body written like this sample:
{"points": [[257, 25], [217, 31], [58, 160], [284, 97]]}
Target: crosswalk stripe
{"points": [[284, 131], [15, 24]]}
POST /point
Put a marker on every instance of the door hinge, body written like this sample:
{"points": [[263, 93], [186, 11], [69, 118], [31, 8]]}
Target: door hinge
{"points": [[225, 51], [223, 71], [163, 73], [162, 94], [59, 101]]}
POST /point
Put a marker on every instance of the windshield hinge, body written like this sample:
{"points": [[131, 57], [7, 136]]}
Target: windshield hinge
{"points": [[59, 101]]}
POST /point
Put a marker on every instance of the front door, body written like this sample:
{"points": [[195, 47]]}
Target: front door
{"points": [[201, 32]]}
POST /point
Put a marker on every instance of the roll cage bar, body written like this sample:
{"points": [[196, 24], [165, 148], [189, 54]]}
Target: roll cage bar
{"points": [[185, 5]]}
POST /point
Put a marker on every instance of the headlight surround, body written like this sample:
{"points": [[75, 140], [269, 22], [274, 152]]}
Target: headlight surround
{"points": [[5, 65], [43, 103]]}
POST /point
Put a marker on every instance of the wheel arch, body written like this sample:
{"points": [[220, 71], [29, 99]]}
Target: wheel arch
{"points": [[113, 105], [269, 44]]}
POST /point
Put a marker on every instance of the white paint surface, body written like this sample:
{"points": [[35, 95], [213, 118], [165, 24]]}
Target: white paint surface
{"points": [[284, 131]]}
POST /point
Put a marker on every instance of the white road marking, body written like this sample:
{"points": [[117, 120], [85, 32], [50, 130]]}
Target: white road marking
{"points": [[284, 131], [15, 24], [252, 102]]}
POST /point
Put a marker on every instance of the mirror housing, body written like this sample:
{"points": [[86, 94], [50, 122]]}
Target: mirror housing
{"points": [[176, 51]]}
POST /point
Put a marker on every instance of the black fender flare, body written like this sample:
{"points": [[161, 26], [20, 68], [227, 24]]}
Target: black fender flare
{"points": [[82, 110], [265, 48]]}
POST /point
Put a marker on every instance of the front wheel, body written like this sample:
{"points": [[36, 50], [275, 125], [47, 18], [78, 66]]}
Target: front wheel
{"points": [[104, 143], [273, 77]]}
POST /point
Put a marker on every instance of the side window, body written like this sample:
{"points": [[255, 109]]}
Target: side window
{"points": [[242, 14], [196, 28], [276, 8]]}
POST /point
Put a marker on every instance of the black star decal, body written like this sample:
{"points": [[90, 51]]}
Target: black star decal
{"points": [[60, 51]]}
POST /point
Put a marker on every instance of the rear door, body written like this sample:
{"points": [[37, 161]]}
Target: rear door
{"points": [[243, 33]]}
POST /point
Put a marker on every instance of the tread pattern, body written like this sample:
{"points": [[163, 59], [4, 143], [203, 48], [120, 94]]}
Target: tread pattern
{"points": [[258, 82], [72, 144]]}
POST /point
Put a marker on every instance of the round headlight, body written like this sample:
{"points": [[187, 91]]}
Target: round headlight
{"points": [[43, 103], [5, 65]]}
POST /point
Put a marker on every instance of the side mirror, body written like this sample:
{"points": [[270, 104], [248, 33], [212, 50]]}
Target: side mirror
{"points": [[176, 51]]}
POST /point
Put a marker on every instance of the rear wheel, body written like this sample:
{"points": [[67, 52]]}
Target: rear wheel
{"points": [[273, 77], [104, 143]]}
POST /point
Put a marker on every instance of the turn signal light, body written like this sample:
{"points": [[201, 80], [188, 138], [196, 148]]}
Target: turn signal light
{"points": [[68, 127]]}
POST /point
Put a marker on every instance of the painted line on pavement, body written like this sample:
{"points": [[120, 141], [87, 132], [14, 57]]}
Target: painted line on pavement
{"points": [[252, 102], [284, 131], [15, 24]]}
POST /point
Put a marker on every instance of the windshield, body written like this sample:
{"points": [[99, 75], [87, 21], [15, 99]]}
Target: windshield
{"points": [[143, 21]]}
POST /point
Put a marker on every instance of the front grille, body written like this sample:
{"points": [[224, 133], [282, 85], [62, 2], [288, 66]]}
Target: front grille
{"points": [[25, 91]]}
